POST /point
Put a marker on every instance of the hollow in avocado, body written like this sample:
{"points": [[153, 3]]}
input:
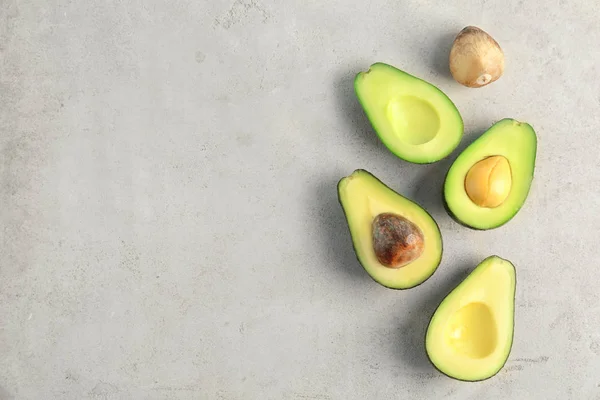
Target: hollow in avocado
{"points": [[490, 180], [414, 119], [470, 334], [396, 241]]}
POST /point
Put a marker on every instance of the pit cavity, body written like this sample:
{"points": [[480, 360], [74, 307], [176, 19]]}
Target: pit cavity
{"points": [[472, 331], [413, 120]]}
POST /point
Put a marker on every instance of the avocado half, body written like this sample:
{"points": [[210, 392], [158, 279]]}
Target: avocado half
{"points": [[363, 197], [414, 119], [514, 140], [470, 334]]}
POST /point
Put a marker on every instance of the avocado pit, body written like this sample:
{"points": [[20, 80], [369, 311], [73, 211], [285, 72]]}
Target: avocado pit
{"points": [[396, 240], [489, 181]]}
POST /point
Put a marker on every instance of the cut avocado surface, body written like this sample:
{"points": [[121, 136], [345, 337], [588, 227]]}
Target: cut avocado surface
{"points": [[502, 161], [470, 334], [413, 118], [365, 200]]}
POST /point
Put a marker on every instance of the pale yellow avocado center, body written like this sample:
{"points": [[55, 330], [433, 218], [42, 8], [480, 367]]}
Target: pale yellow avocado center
{"points": [[413, 120], [471, 331], [488, 182]]}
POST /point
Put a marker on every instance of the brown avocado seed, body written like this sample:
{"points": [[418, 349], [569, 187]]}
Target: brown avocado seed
{"points": [[396, 240], [476, 59]]}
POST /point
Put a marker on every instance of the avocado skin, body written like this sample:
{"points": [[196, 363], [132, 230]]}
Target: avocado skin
{"points": [[455, 219], [374, 125], [458, 221], [512, 334], [450, 213], [354, 247], [371, 122], [445, 202]]}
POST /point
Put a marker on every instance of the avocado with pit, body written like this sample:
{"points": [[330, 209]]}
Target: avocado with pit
{"points": [[413, 118], [470, 334], [396, 241], [490, 180]]}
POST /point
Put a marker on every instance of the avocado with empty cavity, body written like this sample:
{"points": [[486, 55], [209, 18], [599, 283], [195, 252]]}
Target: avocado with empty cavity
{"points": [[414, 119], [396, 241], [490, 180], [470, 334]]}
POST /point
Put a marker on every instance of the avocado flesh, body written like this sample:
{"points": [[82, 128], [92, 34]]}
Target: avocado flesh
{"points": [[470, 334], [514, 140], [414, 119], [363, 197]]}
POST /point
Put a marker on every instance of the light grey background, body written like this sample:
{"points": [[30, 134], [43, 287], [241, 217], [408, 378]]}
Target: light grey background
{"points": [[169, 221]]}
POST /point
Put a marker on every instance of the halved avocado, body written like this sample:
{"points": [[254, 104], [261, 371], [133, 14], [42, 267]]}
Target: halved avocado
{"points": [[470, 334], [368, 204], [514, 144], [414, 119]]}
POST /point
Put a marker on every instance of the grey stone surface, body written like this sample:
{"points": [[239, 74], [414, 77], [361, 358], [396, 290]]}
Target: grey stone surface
{"points": [[169, 220]]}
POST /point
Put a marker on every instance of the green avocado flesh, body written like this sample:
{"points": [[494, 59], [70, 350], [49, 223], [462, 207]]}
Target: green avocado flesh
{"points": [[509, 138], [414, 119], [363, 197], [470, 334]]}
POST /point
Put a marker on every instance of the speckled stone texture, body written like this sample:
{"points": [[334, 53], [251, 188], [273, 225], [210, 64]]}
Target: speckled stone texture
{"points": [[169, 221]]}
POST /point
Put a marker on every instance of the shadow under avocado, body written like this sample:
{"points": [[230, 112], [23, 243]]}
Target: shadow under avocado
{"points": [[429, 192], [440, 61], [411, 332], [337, 241]]}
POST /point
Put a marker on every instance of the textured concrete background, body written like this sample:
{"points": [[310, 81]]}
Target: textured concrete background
{"points": [[170, 226]]}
